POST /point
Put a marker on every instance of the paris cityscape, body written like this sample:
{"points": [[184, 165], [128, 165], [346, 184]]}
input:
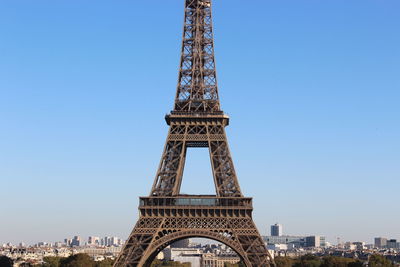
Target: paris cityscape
{"points": [[200, 252], [291, 158]]}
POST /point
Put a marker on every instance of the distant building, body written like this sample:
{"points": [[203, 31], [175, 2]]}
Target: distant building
{"points": [[323, 242], [93, 251], [359, 245], [174, 252], [114, 241], [76, 241], [277, 247], [380, 242], [276, 230], [193, 259], [93, 240], [350, 246], [106, 241], [184, 243], [43, 244], [295, 241], [313, 241], [67, 242], [218, 261], [392, 243]]}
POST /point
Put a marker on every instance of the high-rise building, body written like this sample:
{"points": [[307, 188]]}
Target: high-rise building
{"points": [[76, 241], [114, 241], [380, 242], [107, 241], [276, 230], [93, 240], [392, 243], [322, 241], [67, 242]]}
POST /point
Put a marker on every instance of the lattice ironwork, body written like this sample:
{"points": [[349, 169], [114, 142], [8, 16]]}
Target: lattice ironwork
{"points": [[197, 134], [196, 121], [197, 87], [239, 233]]}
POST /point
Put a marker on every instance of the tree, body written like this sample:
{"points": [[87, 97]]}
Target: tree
{"points": [[6, 261], [283, 261], [158, 263], [308, 261], [239, 264], [105, 263], [78, 260], [356, 263], [379, 261], [51, 261], [332, 261]]}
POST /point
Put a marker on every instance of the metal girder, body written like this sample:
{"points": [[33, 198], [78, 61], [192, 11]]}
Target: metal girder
{"points": [[196, 121], [197, 87], [152, 234], [201, 134]]}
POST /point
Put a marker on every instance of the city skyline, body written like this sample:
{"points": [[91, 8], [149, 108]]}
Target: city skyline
{"points": [[325, 158], [273, 233]]}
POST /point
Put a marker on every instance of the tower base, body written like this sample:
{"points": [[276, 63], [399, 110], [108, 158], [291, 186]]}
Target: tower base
{"points": [[165, 220]]}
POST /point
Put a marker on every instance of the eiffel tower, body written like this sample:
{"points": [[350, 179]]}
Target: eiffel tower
{"points": [[197, 120]]}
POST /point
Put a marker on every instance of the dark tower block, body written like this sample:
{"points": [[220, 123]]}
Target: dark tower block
{"points": [[196, 121]]}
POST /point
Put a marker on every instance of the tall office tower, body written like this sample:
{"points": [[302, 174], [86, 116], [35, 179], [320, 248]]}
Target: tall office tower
{"points": [[93, 240], [391, 243], [76, 241], [276, 230], [114, 241], [380, 242], [107, 241]]}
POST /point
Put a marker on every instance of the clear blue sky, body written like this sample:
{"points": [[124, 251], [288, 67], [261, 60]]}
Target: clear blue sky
{"points": [[312, 88]]}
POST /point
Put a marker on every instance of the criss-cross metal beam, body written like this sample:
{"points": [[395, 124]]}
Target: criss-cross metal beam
{"points": [[195, 121], [197, 87]]}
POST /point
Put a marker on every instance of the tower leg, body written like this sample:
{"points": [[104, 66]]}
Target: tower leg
{"points": [[152, 235]]}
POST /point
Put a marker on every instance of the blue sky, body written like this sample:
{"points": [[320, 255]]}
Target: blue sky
{"points": [[312, 88]]}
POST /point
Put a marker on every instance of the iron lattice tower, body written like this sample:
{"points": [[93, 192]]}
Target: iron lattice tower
{"points": [[196, 121]]}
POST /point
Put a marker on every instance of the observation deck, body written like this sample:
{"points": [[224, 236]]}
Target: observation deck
{"points": [[179, 117], [203, 206]]}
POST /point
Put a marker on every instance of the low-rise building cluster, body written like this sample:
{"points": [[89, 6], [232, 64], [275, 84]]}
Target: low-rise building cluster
{"points": [[205, 254], [98, 248], [211, 255], [296, 246]]}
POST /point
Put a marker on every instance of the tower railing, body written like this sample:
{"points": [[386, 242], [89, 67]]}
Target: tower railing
{"points": [[203, 201]]}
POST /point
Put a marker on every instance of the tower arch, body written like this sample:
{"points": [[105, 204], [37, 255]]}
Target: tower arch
{"points": [[167, 240]]}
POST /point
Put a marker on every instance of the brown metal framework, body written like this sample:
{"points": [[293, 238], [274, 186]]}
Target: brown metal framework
{"points": [[196, 121]]}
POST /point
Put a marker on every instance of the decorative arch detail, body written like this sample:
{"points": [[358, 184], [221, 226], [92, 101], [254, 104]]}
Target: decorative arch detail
{"points": [[159, 244]]}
